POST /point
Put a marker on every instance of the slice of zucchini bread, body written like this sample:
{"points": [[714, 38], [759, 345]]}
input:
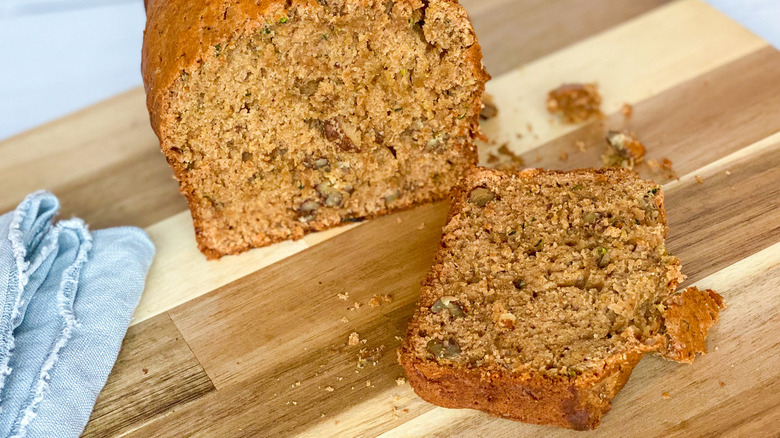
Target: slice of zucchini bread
{"points": [[546, 291], [280, 117]]}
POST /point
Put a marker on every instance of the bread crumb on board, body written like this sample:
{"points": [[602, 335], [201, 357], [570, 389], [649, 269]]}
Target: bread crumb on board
{"points": [[623, 150], [627, 110], [505, 151], [575, 103], [505, 159], [371, 355], [378, 300], [664, 166], [354, 339], [489, 108]]}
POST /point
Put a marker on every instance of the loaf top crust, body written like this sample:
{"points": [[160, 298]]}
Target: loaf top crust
{"points": [[181, 34]]}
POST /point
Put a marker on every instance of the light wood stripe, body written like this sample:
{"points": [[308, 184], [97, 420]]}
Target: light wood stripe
{"points": [[654, 42], [180, 272], [514, 32]]}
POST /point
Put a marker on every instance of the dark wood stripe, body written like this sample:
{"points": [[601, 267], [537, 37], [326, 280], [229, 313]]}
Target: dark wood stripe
{"points": [[154, 373], [728, 217]]}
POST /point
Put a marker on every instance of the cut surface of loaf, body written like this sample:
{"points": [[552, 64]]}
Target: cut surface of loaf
{"points": [[546, 291], [284, 117]]}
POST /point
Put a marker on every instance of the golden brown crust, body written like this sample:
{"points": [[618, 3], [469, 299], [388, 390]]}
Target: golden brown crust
{"points": [[181, 34], [687, 320], [575, 403]]}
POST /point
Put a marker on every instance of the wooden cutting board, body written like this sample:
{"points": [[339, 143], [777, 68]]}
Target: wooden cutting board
{"points": [[256, 345]]}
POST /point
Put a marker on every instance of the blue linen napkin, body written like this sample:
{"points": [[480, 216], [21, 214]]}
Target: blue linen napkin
{"points": [[66, 300]]}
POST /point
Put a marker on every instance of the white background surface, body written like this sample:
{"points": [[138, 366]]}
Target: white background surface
{"points": [[58, 56]]}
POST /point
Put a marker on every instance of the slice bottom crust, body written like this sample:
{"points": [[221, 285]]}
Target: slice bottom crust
{"points": [[547, 290]]}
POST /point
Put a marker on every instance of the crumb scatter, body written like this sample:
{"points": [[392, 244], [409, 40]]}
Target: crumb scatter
{"points": [[575, 103], [623, 150], [489, 108], [627, 110]]}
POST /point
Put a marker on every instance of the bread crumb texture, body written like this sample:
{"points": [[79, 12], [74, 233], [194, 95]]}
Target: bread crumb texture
{"points": [[298, 116], [575, 103], [547, 289]]}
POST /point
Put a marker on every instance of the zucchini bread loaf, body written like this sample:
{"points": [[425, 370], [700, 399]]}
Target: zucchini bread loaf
{"points": [[547, 289], [280, 117]]}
